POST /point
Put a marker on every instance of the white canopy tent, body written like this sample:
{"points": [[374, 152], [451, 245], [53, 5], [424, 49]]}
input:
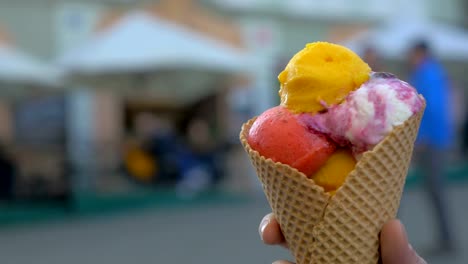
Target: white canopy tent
{"points": [[141, 42], [393, 39], [18, 68], [146, 57]]}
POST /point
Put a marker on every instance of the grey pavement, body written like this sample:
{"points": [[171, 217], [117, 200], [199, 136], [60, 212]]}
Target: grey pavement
{"points": [[206, 234]]}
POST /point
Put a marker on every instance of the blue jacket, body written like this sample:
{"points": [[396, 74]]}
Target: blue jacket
{"points": [[436, 129]]}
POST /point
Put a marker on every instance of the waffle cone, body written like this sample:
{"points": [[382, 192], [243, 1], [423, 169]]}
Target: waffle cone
{"points": [[344, 228]]}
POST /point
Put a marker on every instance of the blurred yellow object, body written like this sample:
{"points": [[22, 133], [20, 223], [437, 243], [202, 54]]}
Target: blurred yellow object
{"points": [[141, 165], [333, 173], [321, 75]]}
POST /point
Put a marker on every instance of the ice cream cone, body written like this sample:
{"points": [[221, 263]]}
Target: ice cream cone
{"points": [[343, 228]]}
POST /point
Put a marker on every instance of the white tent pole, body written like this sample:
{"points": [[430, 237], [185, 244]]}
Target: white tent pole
{"points": [[79, 136]]}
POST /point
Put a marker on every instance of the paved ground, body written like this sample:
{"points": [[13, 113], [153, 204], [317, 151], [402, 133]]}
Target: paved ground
{"points": [[210, 234]]}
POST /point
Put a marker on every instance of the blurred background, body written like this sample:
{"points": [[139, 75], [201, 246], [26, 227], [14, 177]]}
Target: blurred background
{"points": [[119, 122]]}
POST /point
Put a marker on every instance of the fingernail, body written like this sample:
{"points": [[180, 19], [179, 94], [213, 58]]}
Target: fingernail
{"points": [[411, 249], [279, 262], [418, 258], [403, 231], [263, 224]]}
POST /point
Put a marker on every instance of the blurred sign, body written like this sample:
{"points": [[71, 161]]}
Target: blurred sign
{"points": [[342, 32], [262, 37]]}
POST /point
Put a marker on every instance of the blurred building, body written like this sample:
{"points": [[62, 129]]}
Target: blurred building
{"points": [[52, 25], [300, 21], [97, 121], [270, 30]]}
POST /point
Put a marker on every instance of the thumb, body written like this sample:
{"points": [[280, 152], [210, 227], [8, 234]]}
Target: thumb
{"points": [[395, 248]]}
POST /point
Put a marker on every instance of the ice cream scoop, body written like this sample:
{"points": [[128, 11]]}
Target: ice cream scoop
{"points": [[332, 174], [369, 113], [319, 76], [282, 136]]}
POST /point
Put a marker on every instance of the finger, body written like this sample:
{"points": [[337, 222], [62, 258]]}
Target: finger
{"points": [[270, 231], [282, 262], [395, 248]]}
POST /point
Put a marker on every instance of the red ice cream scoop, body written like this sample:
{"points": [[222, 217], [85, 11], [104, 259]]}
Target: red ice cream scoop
{"points": [[280, 135]]}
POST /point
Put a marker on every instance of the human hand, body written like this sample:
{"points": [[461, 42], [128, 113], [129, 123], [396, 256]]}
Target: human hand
{"points": [[394, 246]]}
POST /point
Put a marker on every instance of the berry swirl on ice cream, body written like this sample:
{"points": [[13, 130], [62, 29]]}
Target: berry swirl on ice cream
{"points": [[369, 113]]}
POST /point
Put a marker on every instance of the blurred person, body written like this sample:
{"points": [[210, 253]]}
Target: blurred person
{"points": [[7, 176], [198, 163], [139, 163], [464, 131], [394, 245], [465, 136], [239, 100], [152, 158], [162, 144], [372, 58], [435, 133]]}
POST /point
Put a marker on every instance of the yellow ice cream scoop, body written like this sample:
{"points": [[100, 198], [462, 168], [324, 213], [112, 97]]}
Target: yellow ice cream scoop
{"points": [[335, 170], [321, 75]]}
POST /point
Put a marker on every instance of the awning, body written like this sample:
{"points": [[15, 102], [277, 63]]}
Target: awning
{"points": [[17, 67], [392, 40], [140, 42]]}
